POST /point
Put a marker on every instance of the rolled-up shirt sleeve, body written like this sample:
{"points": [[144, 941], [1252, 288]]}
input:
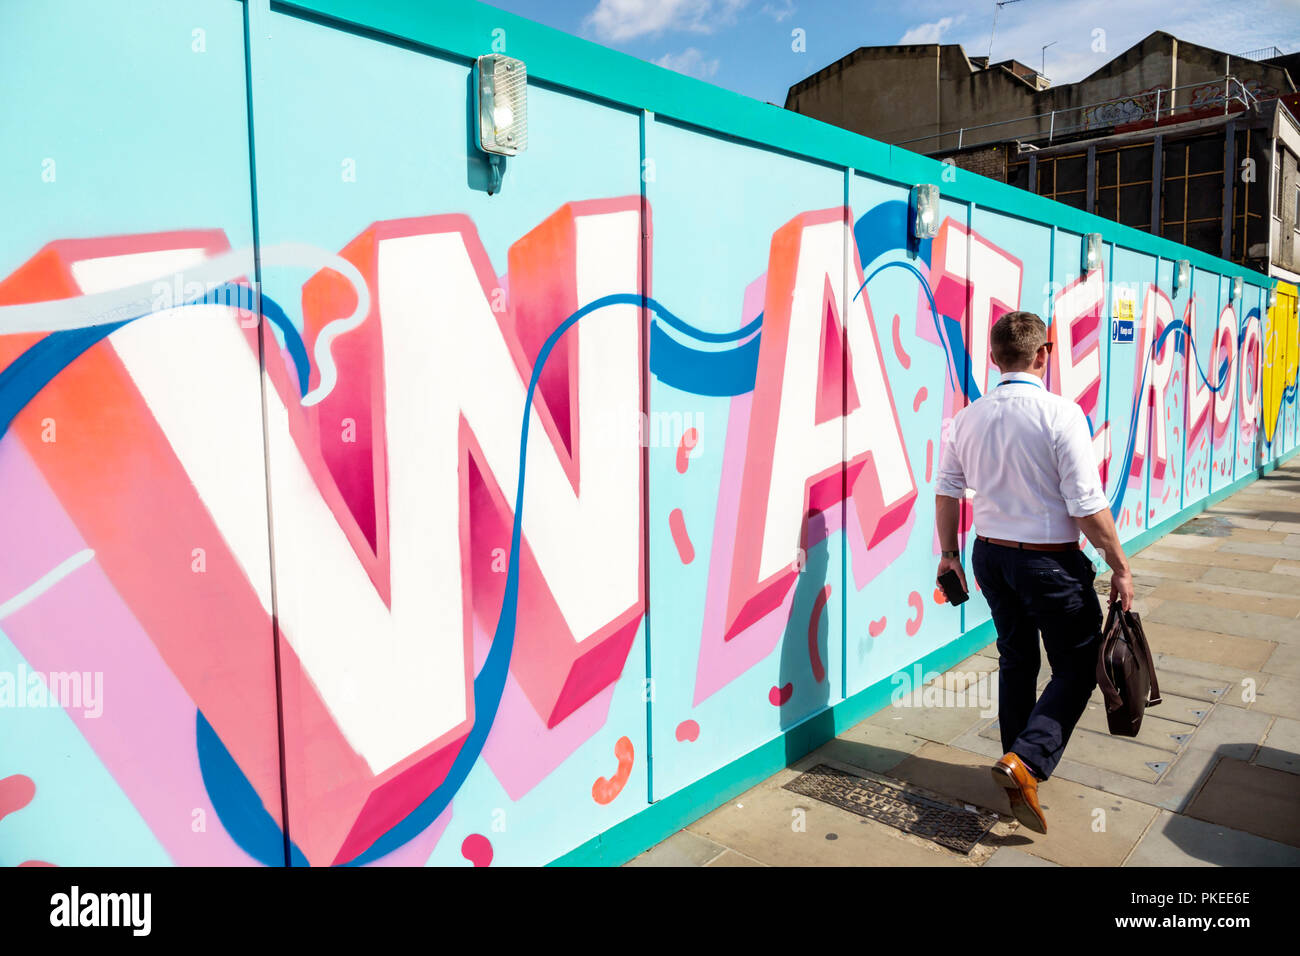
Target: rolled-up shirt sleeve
{"points": [[951, 480], [1076, 463]]}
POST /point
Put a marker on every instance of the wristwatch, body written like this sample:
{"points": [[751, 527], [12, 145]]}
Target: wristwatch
{"points": [[950, 554]]}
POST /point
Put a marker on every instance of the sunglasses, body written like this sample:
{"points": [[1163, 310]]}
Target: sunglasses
{"points": [[1048, 346]]}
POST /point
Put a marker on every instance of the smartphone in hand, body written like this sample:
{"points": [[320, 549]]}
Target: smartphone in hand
{"points": [[950, 584]]}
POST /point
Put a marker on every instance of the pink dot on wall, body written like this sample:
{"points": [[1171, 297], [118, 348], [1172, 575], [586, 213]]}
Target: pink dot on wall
{"points": [[477, 849], [914, 624], [688, 730], [904, 359], [690, 438], [15, 793], [682, 539]]}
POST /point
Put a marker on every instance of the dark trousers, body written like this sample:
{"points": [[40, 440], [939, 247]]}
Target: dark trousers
{"points": [[1047, 592]]}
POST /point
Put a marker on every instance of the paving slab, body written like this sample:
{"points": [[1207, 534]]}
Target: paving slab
{"points": [[977, 740], [1198, 541], [1156, 732], [732, 858], [936, 723], [1175, 707], [762, 824], [1267, 582], [1146, 568], [1192, 687], [1285, 661], [1223, 620], [1120, 754], [978, 664], [1175, 788], [1280, 696], [1175, 840], [1238, 521], [1217, 559], [1260, 549], [683, 848], [1238, 532], [1010, 856], [1281, 747], [1237, 680], [867, 746], [1201, 645], [1231, 732], [1237, 599], [1258, 800], [1172, 707]]}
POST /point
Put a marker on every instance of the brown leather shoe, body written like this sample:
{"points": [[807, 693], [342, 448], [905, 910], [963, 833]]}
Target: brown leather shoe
{"points": [[1022, 790]]}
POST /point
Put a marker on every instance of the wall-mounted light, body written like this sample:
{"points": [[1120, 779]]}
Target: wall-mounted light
{"points": [[501, 103], [1272, 297], [924, 203], [1182, 275], [1091, 252], [1236, 289]]}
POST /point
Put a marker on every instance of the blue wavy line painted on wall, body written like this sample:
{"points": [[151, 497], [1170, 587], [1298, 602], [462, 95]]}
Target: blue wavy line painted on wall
{"points": [[35, 368]]}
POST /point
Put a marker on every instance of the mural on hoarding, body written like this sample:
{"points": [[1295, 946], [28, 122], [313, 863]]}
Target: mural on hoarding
{"points": [[452, 573]]}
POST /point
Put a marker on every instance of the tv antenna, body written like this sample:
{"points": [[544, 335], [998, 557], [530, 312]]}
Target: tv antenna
{"points": [[1043, 70], [998, 5]]}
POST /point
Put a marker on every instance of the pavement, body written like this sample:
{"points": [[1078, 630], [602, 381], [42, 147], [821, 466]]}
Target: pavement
{"points": [[1213, 779]]}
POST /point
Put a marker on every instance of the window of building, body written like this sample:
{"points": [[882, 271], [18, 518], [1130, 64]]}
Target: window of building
{"points": [[1192, 193], [1123, 189], [1064, 178], [1277, 183], [1018, 172], [1252, 201]]}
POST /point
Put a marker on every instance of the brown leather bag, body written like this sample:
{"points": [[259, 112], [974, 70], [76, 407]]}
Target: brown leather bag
{"points": [[1125, 672]]}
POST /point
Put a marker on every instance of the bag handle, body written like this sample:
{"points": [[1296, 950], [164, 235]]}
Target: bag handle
{"points": [[1153, 697], [1131, 624], [1108, 689]]}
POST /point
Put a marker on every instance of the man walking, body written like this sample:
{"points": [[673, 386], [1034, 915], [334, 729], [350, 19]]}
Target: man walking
{"points": [[1028, 456]]}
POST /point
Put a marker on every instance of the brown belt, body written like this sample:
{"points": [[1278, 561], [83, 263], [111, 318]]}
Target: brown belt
{"points": [[1030, 546]]}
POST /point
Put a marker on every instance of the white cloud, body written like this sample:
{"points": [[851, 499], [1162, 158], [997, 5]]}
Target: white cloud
{"points": [[1024, 28], [929, 32], [691, 62], [779, 11], [617, 20]]}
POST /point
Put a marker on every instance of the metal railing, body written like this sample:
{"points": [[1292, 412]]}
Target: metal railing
{"points": [[1263, 53], [1147, 106]]}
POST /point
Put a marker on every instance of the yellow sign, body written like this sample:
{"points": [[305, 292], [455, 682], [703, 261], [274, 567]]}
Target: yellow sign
{"points": [[1281, 355]]}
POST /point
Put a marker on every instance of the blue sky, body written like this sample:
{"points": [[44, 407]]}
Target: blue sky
{"points": [[747, 45]]}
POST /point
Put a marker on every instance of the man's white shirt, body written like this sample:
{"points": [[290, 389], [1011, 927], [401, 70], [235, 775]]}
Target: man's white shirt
{"points": [[1027, 455]]}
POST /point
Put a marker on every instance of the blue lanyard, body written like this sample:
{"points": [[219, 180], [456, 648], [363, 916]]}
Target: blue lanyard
{"points": [[1017, 381]]}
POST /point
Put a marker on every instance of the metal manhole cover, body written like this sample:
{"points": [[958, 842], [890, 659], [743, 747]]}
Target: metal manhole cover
{"points": [[955, 827]]}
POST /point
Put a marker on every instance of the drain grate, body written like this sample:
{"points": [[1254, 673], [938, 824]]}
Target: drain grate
{"points": [[955, 827]]}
